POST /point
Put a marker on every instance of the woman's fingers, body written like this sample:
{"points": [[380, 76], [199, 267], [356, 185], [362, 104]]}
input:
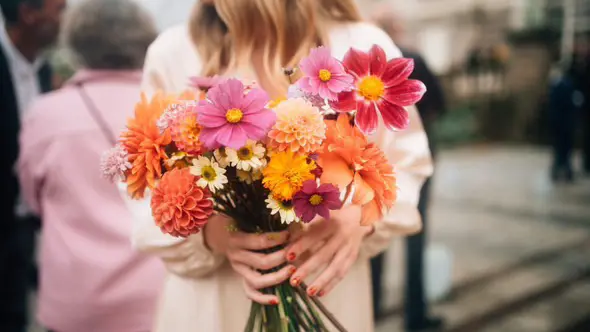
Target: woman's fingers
{"points": [[334, 273], [258, 261], [316, 261], [259, 297], [257, 241], [310, 238], [258, 280]]}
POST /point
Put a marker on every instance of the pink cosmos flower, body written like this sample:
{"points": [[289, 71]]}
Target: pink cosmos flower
{"points": [[114, 163], [313, 200], [381, 86], [229, 116], [205, 83], [323, 75]]}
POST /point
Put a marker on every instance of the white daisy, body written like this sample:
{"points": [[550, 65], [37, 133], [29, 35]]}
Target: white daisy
{"points": [[249, 157], [252, 175], [285, 210], [211, 175], [221, 157]]}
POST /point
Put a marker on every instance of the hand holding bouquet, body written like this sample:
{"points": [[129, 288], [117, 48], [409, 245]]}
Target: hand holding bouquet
{"points": [[228, 150]]}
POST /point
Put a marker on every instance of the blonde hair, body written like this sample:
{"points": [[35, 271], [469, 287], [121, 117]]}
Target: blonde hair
{"points": [[227, 34]]}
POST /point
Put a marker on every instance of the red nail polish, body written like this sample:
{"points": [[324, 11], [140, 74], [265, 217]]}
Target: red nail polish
{"points": [[321, 293], [312, 291], [295, 282], [292, 270], [274, 302], [291, 256]]}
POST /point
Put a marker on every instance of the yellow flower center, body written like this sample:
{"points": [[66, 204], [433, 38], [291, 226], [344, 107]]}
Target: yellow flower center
{"points": [[325, 75], [316, 199], [371, 88], [245, 153], [234, 115], [294, 176], [209, 173]]}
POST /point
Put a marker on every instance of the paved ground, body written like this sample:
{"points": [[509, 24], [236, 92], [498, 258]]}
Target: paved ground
{"points": [[521, 245]]}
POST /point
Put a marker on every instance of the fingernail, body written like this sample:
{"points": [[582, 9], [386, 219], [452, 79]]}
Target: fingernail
{"points": [[292, 270], [273, 302], [291, 256], [321, 293], [312, 291], [295, 282]]}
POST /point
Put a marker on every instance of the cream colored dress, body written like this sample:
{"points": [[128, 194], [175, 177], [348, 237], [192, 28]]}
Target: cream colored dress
{"points": [[201, 292]]}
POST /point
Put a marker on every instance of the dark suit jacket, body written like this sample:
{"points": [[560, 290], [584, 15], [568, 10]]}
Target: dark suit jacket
{"points": [[9, 131]]}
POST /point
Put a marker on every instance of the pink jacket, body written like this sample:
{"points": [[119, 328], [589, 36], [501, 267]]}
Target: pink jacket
{"points": [[91, 279]]}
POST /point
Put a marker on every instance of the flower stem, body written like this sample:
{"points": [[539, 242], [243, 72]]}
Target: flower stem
{"points": [[325, 311]]}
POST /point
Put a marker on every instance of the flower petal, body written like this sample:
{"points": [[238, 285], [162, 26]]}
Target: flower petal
{"points": [[367, 119], [346, 102], [336, 171], [394, 117], [309, 187], [397, 71], [370, 213], [378, 60], [342, 82], [363, 193], [357, 62], [255, 101], [323, 211], [405, 94]]}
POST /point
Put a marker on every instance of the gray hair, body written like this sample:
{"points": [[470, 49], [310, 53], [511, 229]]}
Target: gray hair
{"points": [[108, 34]]}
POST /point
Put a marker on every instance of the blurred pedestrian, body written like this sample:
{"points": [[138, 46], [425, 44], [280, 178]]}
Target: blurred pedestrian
{"points": [[27, 29], [431, 107], [210, 274], [565, 101], [91, 279]]}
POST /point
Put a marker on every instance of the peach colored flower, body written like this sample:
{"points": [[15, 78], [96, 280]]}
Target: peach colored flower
{"points": [[145, 144], [348, 158], [299, 128], [180, 207], [185, 130]]}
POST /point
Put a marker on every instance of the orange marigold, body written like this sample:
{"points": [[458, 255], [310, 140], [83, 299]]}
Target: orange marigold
{"points": [[299, 128], [180, 207], [145, 144], [347, 158]]}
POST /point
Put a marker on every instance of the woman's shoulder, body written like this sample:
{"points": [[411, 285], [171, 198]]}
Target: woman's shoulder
{"points": [[362, 36]]}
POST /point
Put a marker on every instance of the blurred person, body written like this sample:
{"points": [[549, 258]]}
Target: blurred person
{"points": [[27, 29], [431, 107], [91, 279], [565, 101], [208, 286]]}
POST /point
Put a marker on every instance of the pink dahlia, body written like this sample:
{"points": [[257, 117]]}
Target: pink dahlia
{"points": [[114, 163], [229, 116], [380, 86], [323, 75], [313, 200]]}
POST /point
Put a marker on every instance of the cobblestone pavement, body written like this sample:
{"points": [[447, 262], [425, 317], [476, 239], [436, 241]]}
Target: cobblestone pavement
{"points": [[520, 244]]}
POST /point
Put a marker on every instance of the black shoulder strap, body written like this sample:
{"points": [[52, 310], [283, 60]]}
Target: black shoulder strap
{"points": [[97, 115]]}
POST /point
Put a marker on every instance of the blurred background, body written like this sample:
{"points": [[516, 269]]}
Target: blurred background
{"points": [[508, 244]]}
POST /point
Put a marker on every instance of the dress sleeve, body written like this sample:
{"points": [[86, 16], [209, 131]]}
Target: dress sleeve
{"points": [[409, 152], [185, 257]]}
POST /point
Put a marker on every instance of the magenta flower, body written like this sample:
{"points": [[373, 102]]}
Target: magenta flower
{"points": [[229, 116], [114, 163], [205, 83], [313, 200], [381, 87], [324, 75]]}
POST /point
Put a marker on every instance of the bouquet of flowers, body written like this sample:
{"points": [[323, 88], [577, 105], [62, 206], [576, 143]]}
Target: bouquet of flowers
{"points": [[226, 148]]}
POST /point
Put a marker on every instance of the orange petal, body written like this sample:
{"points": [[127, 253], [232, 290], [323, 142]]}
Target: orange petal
{"points": [[363, 193], [370, 214], [335, 170]]}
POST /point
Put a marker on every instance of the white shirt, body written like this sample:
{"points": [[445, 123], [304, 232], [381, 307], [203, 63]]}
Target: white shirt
{"points": [[25, 82]]}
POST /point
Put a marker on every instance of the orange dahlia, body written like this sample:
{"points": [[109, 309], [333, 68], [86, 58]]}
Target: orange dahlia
{"points": [[348, 158], [299, 128], [145, 144], [180, 207]]}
